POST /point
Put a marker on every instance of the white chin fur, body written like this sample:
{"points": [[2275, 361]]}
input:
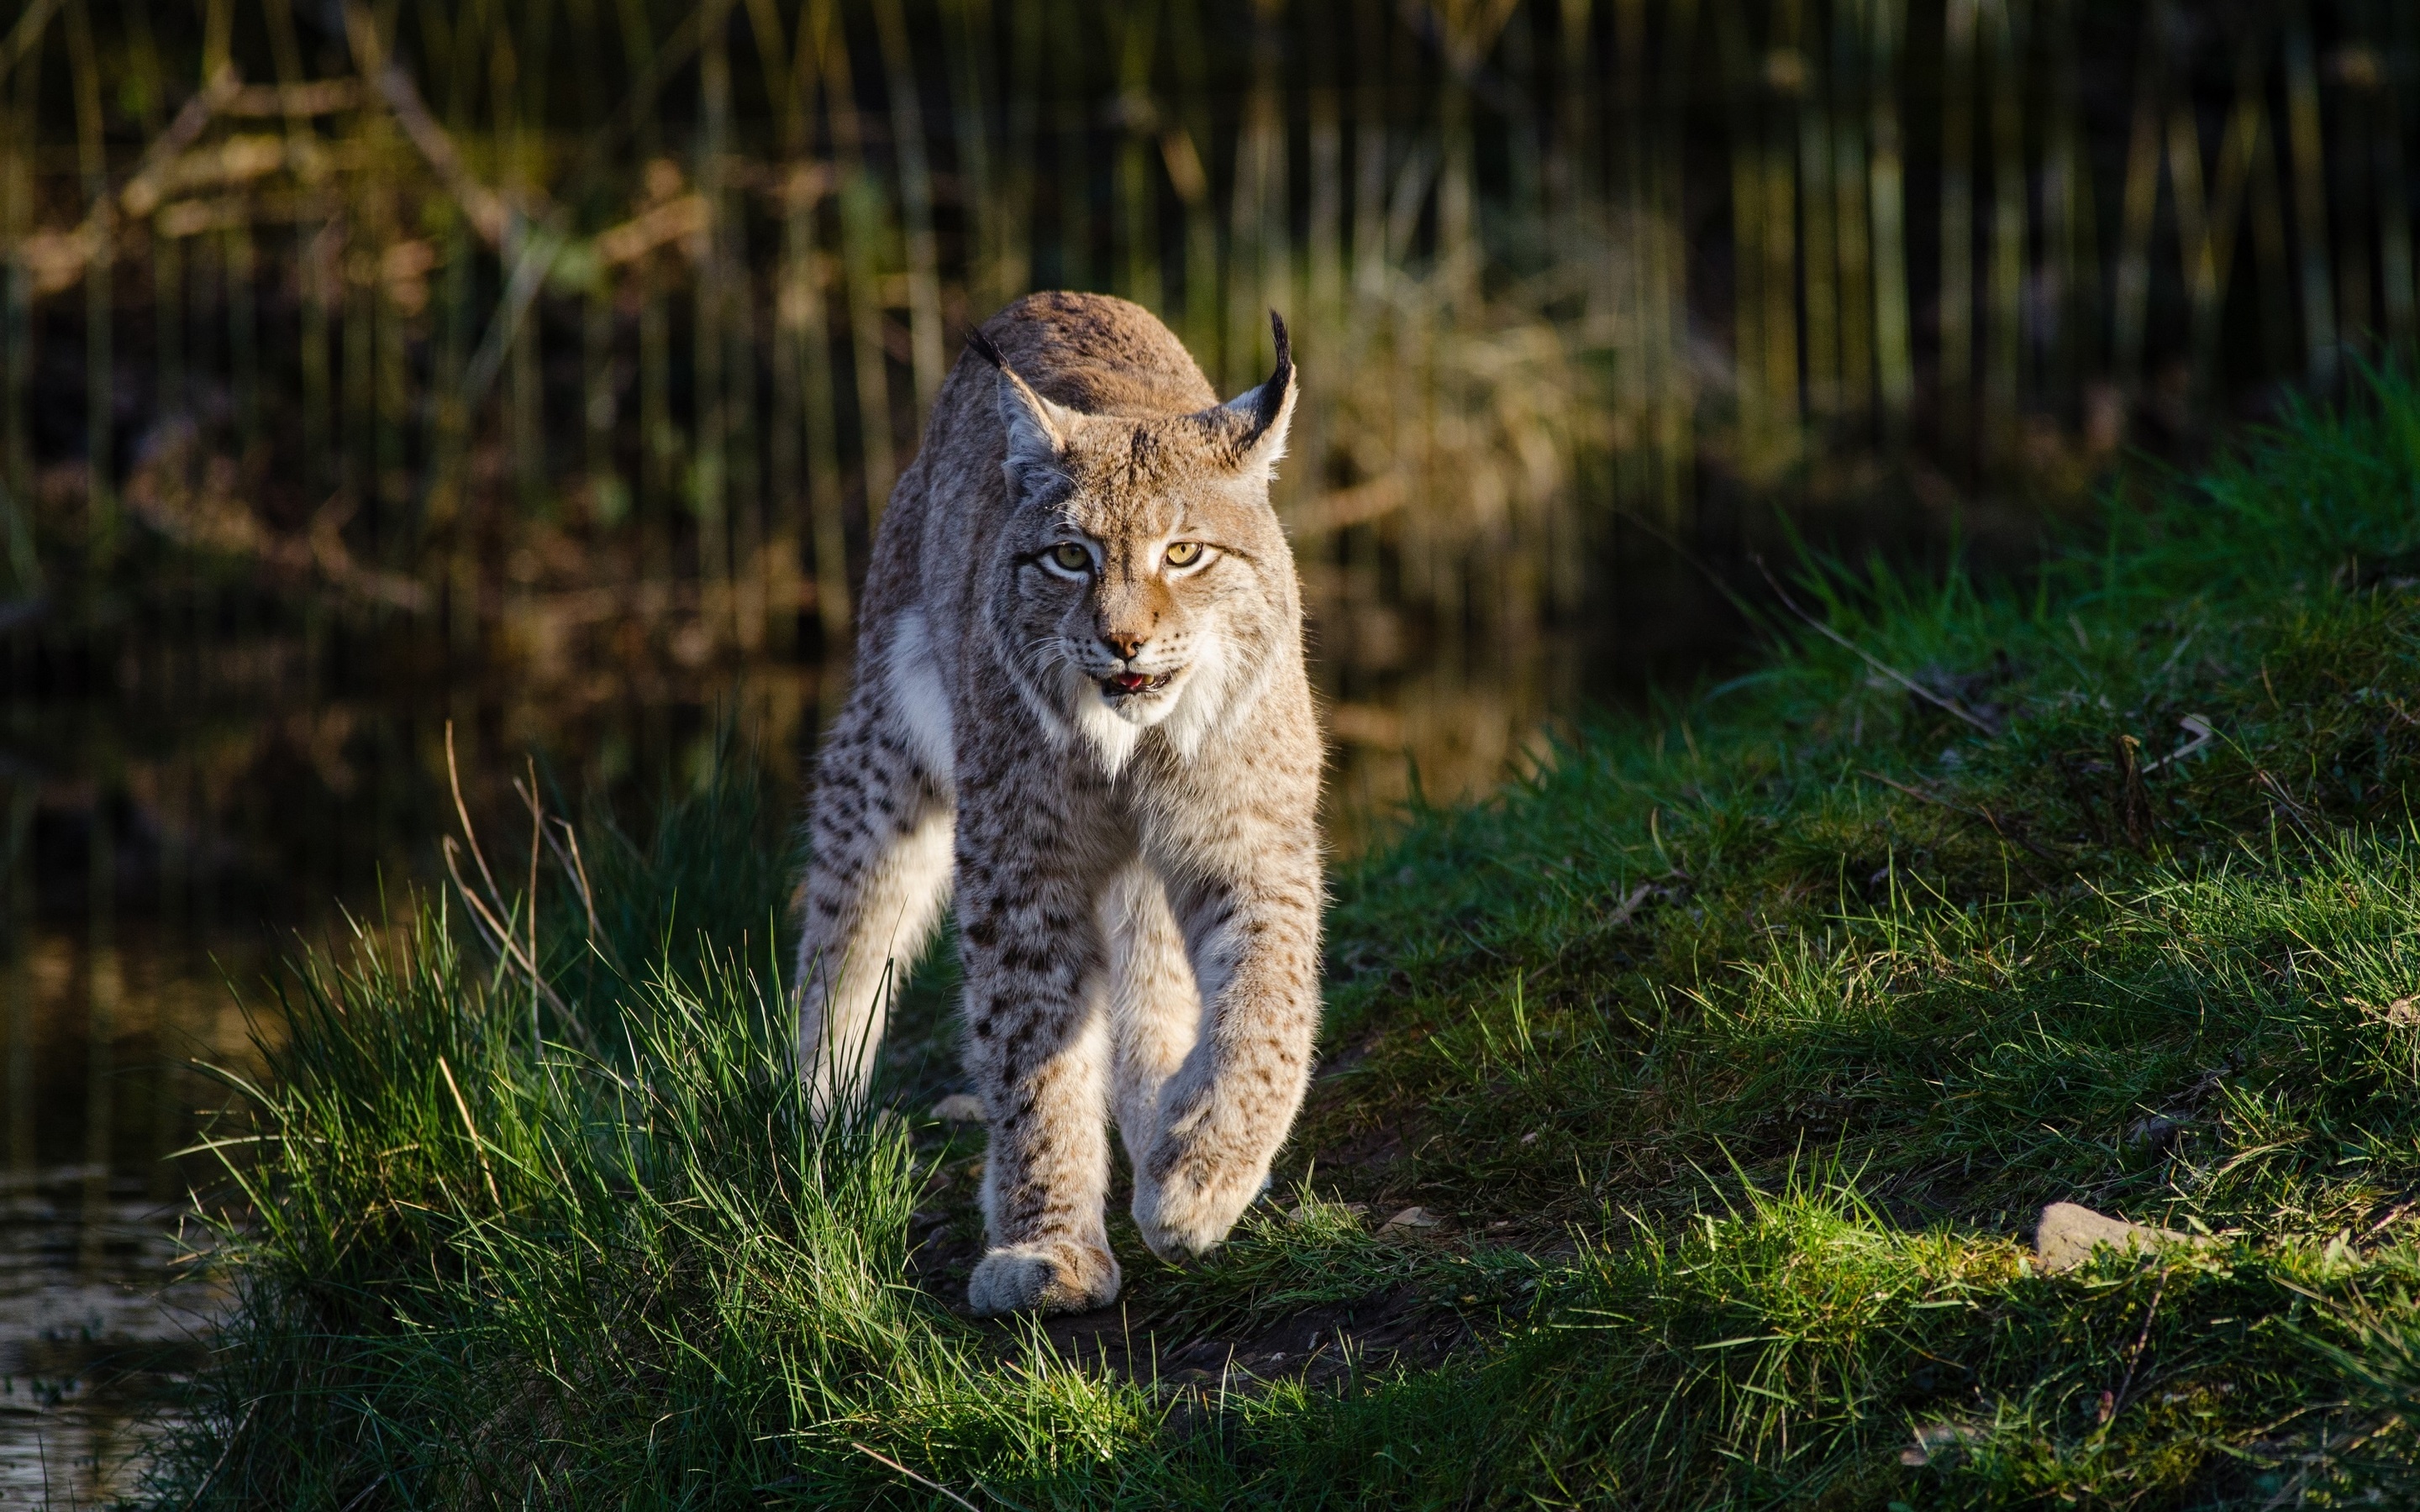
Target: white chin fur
{"points": [[1143, 710], [1185, 710], [1108, 731]]}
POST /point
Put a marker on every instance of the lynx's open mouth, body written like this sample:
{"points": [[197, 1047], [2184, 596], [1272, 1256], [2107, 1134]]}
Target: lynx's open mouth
{"points": [[1126, 685]]}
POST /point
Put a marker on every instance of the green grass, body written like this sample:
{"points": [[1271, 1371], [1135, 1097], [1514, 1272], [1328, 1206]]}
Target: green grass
{"points": [[1738, 1046]]}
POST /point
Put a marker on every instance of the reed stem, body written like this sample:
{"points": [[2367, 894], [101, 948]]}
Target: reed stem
{"points": [[1819, 275], [915, 206], [2392, 189], [2003, 362], [864, 224], [19, 94], [1851, 219], [1956, 317], [1886, 194], [2310, 199], [101, 351]]}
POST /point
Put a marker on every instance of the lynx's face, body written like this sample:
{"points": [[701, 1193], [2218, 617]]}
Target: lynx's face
{"points": [[1152, 583]]}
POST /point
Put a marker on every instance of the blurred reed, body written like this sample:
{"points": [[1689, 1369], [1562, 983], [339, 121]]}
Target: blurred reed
{"points": [[583, 323]]}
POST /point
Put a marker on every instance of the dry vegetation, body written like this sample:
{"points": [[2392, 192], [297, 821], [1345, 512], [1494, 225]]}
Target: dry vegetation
{"points": [[577, 331]]}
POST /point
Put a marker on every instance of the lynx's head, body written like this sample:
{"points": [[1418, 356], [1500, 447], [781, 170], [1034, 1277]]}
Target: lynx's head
{"points": [[1151, 583]]}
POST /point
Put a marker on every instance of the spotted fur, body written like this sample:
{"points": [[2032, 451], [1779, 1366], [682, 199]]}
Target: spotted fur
{"points": [[1116, 766]]}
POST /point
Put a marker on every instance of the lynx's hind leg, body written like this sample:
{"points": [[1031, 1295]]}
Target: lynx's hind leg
{"points": [[1154, 1007], [879, 831]]}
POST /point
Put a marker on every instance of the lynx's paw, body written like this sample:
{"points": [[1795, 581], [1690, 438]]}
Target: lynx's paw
{"points": [[1188, 1207], [1052, 1276]]}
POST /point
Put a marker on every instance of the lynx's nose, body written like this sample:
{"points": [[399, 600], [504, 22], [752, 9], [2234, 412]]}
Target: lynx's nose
{"points": [[1124, 644]]}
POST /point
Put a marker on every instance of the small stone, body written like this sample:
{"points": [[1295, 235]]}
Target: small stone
{"points": [[1531, 1138], [959, 1108], [2156, 1132], [2067, 1234], [1935, 1441], [1410, 1220]]}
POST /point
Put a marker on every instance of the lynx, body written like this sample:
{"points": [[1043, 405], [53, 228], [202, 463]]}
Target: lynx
{"points": [[1080, 701]]}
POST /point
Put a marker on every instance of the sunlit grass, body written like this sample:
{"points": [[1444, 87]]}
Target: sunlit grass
{"points": [[1736, 1048]]}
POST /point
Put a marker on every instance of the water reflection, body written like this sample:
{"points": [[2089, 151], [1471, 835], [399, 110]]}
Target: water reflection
{"points": [[93, 1311], [169, 839], [95, 1314]]}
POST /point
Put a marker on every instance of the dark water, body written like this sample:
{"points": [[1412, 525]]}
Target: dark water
{"points": [[184, 815]]}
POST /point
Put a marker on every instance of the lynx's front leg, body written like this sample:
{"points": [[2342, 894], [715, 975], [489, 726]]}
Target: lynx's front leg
{"points": [[879, 831], [1254, 934], [1038, 1048]]}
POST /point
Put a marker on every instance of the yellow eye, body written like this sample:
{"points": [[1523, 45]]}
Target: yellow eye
{"points": [[1184, 554], [1071, 557]]}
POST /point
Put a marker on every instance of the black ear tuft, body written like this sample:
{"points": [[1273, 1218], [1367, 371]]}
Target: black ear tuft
{"points": [[982, 346], [1272, 393], [1252, 425]]}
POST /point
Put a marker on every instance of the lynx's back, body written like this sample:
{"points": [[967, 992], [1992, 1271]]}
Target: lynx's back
{"points": [[1098, 355]]}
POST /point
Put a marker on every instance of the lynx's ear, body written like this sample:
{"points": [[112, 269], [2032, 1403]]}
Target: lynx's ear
{"points": [[1037, 428], [1254, 422]]}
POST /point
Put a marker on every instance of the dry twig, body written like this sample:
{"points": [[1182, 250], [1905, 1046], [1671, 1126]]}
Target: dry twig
{"points": [[882, 1459], [1985, 815], [1937, 700], [478, 1145], [494, 916]]}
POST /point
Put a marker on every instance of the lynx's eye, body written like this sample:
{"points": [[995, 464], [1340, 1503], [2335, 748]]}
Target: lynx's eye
{"points": [[1069, 557], [1184, 554]]}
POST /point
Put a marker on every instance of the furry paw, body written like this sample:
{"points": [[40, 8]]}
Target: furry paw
{"points": [[1186, 1209], [1052, 1276]]}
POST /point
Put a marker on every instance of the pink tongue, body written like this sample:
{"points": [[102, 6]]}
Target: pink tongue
{"points": [[1129, 681]]}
